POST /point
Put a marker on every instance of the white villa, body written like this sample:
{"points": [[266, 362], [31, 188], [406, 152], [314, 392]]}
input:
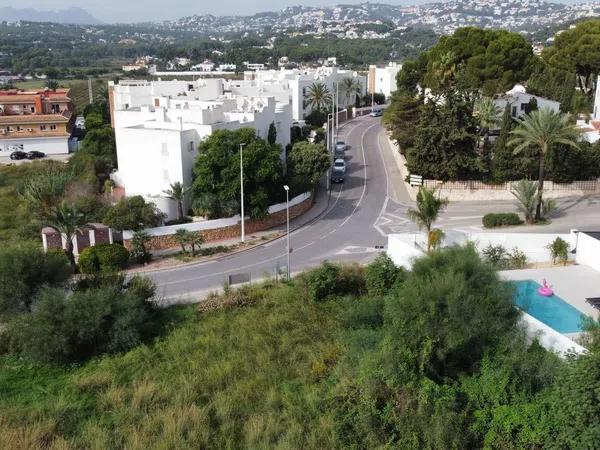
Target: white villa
{"points": [[159, 124], [382, 80], [519, 99]]}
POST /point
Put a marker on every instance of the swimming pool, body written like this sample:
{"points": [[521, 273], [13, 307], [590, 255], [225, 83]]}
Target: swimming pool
{"points": [[553, 311]]}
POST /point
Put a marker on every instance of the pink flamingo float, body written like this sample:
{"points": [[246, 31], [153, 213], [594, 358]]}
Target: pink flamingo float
{"points": [[545, 290]]}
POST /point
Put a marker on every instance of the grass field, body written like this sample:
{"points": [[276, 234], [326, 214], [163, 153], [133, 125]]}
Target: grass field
{"points": [[242, 377]]}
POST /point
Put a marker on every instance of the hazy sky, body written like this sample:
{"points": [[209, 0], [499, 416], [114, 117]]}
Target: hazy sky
{"points": [[156, 10]]}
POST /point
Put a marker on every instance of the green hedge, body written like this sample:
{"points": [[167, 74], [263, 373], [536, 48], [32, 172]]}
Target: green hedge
{"points": [[103, 258], [494, 220]]}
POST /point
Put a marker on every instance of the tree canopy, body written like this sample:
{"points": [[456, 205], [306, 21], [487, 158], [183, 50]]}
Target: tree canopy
{"points": [[216, 185], [577, 51], [133, 213]]}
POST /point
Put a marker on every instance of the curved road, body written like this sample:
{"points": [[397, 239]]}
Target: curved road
{"points": [[369, 205], [344, 232]]}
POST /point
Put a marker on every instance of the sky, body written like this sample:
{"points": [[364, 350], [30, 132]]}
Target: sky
{"points": [[157, 10]]}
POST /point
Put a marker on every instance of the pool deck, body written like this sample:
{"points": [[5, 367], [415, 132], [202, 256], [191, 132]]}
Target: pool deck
{"points": [[572, 283]]}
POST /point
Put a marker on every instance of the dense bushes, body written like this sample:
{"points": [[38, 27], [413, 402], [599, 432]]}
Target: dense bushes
{"points": [[24, 269], [73, 326], [331, 279], [382, 274], [439, 362], [103, 258], [493, 220]]}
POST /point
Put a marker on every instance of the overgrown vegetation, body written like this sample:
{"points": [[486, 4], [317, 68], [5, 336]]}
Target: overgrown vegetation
{"points": [[339, 358]]}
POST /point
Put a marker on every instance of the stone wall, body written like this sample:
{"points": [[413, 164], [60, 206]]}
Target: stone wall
{"points": [[233, 231]]}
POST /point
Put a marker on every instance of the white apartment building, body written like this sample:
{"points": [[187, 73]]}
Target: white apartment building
{"points": [[297, 82], [382, 80], [159, 125]]}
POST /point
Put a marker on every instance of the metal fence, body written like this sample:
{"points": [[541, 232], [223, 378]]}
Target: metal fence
{"points": [[476, 185]]}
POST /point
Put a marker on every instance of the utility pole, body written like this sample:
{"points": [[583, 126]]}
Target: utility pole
{"points": [[287, 207], [337, 105], [372, 99], [242, 188], [329, 149], [90, 93]]}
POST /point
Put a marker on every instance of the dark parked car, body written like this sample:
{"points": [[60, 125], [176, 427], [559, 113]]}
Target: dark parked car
{"points": [[337, 176], [18, 155], [35, 154], [339, 154]]}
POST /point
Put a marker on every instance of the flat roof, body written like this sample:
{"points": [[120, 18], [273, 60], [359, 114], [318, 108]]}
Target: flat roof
{"points": [[593, 234]]}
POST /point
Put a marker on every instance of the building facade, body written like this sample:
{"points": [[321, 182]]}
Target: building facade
{"points": [[35, 121], [159, 125], [382, 80], [519, 101], [297, 82]]}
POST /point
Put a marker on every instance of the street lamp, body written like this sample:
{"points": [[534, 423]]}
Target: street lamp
{"points": [[287, 207], [330, 145], [242, 188]]}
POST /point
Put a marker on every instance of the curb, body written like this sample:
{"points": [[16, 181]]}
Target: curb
{"points": [[223, 256]]}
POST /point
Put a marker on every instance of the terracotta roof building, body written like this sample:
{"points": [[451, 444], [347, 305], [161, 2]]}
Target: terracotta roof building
{"points": [[35, 120]]}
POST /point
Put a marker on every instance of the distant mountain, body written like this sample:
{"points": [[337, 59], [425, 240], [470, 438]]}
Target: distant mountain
{"points": [[72, 15]]}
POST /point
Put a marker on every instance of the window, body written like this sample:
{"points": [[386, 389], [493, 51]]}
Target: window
{"points": [[43, 127], [126, 105], [32, 109], [514, 111], [191, 146], [53, 127], [523, 106], [19, 128]]}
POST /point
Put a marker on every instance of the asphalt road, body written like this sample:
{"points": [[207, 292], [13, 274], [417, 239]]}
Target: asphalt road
{"points": [[369, 205]]}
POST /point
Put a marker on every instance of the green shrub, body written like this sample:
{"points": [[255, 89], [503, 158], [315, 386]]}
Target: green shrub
{"points": [[70, 327], [381, 275], [24, 269], [333, 279], [103, 258], [88, 261], [179, 221], [559, 250], [494, 220]]}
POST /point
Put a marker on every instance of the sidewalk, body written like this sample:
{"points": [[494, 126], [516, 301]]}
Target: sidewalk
{"points": [[319, 207]]}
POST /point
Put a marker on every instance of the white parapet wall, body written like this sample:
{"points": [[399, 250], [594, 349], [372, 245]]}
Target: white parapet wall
{"points": [[549, 338], [403, 248], [588, 249]]}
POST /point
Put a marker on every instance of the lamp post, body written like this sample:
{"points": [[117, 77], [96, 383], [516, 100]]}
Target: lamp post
{"points": [[287, 207], [242, 188], [330, 146]]}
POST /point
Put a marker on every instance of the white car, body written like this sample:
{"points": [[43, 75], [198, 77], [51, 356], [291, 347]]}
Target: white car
{"points": [[339, 164]]}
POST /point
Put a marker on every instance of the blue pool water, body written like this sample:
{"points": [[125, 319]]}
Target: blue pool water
{"points": [[553, 311]]}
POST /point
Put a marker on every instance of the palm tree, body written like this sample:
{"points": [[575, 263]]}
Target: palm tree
{"points": [[177, 193], [489, 116], [525, 191], [318, 96], [428, 209], [350, 87], [543, 129], [65, 220]]}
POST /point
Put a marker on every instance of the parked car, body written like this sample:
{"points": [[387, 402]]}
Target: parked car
{"points": [[18, 155], [376, 113], [339, 164], [337, 176], [340, 145], [35, 154], [339, 154]]}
